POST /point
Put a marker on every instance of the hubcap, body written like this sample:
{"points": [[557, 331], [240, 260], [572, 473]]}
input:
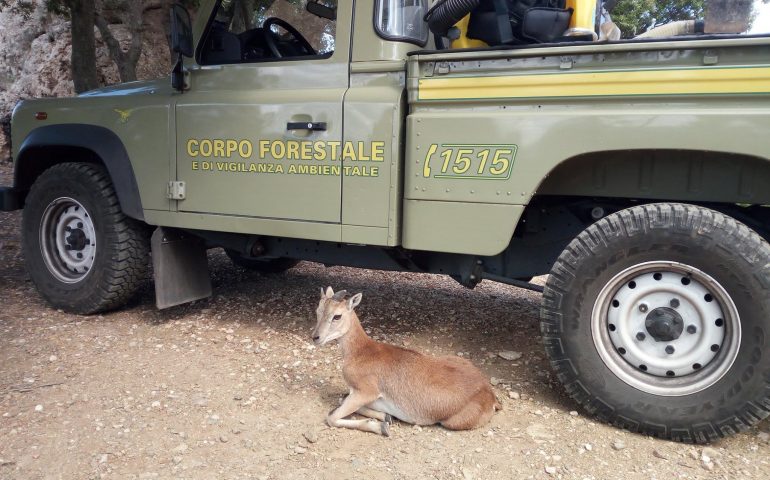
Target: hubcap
{"points": [[666, 328], [67, 240]]}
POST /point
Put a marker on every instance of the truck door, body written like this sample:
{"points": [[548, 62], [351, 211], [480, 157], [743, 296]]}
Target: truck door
{"points": [[259, 131]]}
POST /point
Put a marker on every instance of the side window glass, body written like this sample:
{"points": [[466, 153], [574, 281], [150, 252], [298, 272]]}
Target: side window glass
{"points": [[248, 31]]}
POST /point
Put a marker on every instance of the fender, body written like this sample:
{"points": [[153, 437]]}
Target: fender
{"points": [[35, 155]]}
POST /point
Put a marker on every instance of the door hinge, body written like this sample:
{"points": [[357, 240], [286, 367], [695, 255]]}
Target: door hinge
{"points": [[177, 190]]}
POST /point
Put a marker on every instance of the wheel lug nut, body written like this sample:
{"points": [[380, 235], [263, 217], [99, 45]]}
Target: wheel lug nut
{"points": [[641, 336], [670, 349], [674, 303], [80, 225], [643, 307], [80, 256], [67, 229], [692, 329]]}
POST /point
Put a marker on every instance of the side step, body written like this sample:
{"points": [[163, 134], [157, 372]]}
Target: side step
{"points": [[180, 266]]}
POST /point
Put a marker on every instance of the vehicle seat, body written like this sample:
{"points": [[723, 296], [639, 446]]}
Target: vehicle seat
{"points": [[221, 47]]}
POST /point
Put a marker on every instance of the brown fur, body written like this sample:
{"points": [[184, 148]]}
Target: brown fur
{"points": [[425, 390]]}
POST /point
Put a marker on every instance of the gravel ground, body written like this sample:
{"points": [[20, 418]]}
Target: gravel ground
{"points": [[231, 387]]}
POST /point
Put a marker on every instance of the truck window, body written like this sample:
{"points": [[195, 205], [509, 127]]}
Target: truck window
{"points": [[402, 20], [686, 18], [249, 31]]}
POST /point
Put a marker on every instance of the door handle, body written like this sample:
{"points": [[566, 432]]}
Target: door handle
{"points": [[311, 126]]}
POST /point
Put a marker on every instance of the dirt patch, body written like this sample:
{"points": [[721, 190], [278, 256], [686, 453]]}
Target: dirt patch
{"points": [[232, 388]]}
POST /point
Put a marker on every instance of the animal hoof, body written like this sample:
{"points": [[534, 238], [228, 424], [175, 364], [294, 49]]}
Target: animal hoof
{"points": [[385, 428], [388, 418]]}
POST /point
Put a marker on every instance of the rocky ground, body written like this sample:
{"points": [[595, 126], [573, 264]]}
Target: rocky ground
{"points": [[231, 388]]}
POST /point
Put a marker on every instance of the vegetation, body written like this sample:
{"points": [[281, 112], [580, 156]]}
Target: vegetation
{"points": [[87, 14]]}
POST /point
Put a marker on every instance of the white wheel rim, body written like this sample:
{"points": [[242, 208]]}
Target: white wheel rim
{"points": [[67, 240], [666, 328]]}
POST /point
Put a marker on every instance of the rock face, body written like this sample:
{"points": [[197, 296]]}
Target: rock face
{"points": [[35, 58]]}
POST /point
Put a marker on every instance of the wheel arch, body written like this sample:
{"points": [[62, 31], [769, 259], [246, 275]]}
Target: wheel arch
{"points": [[47, 146], [695, 176]]}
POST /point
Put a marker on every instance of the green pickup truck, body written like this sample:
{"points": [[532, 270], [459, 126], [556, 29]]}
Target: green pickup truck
{"points": [[634, 172]]}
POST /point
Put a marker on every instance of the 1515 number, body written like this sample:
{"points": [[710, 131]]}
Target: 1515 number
{"points": [[477, 162]]}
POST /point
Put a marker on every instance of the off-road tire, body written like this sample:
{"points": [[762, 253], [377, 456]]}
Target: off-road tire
{"points": [[121, 261], [271, 266], [725, 249]]}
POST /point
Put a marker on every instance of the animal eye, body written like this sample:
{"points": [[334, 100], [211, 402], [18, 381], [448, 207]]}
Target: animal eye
{"points": [[336, 317]]}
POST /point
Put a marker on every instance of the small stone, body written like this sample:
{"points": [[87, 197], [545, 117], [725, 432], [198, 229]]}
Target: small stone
{"points": [[539, 433], [764, 437], [299, 450], [310, 436], [223, 439], [514, 395], [177, 460], [574, 413], [467, 475], [38, 408], [550, 470], [494, 381], [588, 447], [708, 454], [155, 404], [510, 355], [53, 358], [709, 466], [657, 453], [556, 458], [479, 450], [181, 448], [618, 444]]}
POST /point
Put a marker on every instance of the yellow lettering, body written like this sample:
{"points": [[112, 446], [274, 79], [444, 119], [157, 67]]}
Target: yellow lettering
{"points": [[320, 151], [307, 149], [232, 146], [192, 148], [349, 152], [245, 149], [362, 152], [292, 150], [264, 148], [278, 150], [378, 151], [205, 148], [195, 166], [335, 146], [219, 149]]}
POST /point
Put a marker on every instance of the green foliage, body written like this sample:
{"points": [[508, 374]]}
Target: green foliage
{"points": [[637, 16]]}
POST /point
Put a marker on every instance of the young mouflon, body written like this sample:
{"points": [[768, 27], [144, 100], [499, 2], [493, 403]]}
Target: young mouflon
{"points": [[387, 381]]}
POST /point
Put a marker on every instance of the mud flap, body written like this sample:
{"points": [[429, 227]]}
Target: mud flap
{"points": [[181, 268]]}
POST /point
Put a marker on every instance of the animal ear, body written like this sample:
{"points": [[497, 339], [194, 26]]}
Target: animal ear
{"points": [[329, 293], [354, 301]]}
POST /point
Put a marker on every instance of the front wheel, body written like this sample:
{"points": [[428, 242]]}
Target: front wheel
{"points": [[657, 319], [83, 254]]}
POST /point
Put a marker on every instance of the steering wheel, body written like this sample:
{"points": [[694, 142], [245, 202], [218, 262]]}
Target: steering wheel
{"points": [[270, 37]]}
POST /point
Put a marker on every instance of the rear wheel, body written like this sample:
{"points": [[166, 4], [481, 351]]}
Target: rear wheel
{"points": [[657, 319], [83, 254], [273, 265]]}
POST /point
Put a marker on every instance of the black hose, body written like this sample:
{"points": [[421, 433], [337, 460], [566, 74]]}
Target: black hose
{"points": [[445, 14]]}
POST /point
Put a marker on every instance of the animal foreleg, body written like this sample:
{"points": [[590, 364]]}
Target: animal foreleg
{"points": [[375, 414], [351, 405]]}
